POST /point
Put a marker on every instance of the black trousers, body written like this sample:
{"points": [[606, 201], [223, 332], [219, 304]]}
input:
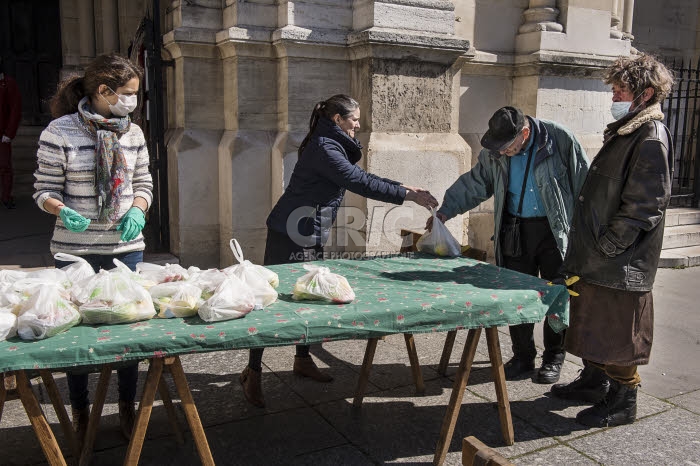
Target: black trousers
{"points": [[280, 249], [540, 257]]}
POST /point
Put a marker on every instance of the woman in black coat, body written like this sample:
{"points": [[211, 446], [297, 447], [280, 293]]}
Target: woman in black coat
{"points": [[300, 223]]}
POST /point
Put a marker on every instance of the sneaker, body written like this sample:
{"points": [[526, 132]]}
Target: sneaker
{"points": [[517, 369], [548, 373], [590, 386]]}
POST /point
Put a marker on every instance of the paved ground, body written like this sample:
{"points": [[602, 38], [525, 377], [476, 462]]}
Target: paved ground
{"points": [[311, 423]]}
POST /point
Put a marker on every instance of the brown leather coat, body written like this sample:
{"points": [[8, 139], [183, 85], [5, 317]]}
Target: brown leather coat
{"points": [[618, 223]]}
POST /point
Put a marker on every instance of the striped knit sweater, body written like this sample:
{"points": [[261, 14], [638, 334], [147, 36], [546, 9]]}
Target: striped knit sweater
{"points": [[66, 171]]}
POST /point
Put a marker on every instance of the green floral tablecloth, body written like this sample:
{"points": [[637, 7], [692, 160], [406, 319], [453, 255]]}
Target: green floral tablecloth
{"points": [[393, 295]]}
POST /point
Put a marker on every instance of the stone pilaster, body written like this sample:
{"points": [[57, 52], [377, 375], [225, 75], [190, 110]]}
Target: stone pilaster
{"points": [[406, 77], [195, 122]]}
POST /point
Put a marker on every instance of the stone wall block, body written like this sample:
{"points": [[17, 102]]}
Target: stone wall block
{"points": [[316, 14], [258, 13], [410, 96]]}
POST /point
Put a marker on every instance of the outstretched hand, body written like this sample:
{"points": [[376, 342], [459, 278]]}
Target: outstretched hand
{"points": [[429, 222], [421, 197]]}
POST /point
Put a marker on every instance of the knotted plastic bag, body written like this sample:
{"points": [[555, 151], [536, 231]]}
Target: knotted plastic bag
{"points": [[320, 284], [46, 313], [256, 277], [162, 273], [176, 299], [113, 298], [79, 270], [439, 241], [206, 280], [231, 300]]}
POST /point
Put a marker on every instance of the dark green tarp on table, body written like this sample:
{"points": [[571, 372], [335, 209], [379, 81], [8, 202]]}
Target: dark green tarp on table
{"points": [[393, 295]]}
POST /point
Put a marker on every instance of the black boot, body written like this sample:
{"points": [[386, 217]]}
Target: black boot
{"points": [[548, 373], [517, 368], [591, 386], [619, 407]]}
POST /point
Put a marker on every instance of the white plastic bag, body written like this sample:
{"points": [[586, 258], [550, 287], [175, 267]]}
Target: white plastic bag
{"points": [[207, 280], [176, 299], [231, 300], [48, 312], [320, 283], [8, 324], [49, 276], [113, 298], [439, 241], [11, 276], [121, 267], [79, 270], [162, 273], [254, 276]]}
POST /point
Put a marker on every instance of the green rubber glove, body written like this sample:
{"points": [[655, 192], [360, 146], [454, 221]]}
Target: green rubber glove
{"points": [[73, 220], [132, 223]]}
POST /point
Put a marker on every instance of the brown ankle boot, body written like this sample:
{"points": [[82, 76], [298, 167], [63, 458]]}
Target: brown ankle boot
{"points": [[252, 387], [127, 418], [81, 417], [306, 367]]}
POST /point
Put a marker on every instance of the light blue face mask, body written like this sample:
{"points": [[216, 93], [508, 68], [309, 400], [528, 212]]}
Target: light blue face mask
{"points": [[620, 109]]}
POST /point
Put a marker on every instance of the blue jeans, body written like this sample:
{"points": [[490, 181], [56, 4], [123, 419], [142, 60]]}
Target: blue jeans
{"points": [[128, 376]]}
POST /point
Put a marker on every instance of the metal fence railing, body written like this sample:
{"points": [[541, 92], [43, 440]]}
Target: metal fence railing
{"points": [[682, 110]]}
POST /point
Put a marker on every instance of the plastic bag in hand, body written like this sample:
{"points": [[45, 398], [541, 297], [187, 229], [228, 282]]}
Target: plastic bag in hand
{"points": [[254, 276], [79, 270], [176, 299], [320, 283], [231, 300], [47, 313], [8, 324], [439, 241], [113, 298], [207, 280], [162, 273]]}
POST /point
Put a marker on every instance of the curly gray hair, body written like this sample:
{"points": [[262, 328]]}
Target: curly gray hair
{"points": [[640, 72]]}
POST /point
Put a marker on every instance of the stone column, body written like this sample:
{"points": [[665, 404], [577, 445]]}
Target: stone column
{"points": [[541, 16], [195, 125], [405, 74], [615, 21], [627, 20], [86, 17], [251, 117]]}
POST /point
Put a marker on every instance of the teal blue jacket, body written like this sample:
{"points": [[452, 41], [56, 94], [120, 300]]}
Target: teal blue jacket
{"points": [[560, 168]]}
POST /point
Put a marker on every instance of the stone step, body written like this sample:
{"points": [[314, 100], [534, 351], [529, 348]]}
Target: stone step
{"points": [[681, 236], [680, 257], [682, 216]]}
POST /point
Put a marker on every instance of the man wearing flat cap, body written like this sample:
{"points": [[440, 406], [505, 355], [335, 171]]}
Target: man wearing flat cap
{"points": [[534, 169]]}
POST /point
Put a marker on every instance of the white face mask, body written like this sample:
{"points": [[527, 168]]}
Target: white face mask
{"points": [[620, 109], [125, 104]]}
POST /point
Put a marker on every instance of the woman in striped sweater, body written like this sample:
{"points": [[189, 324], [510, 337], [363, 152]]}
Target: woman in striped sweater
{"points": [[93, 176]]}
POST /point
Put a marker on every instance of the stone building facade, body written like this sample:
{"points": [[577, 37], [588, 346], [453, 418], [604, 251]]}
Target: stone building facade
{"points": [[245, 75]]}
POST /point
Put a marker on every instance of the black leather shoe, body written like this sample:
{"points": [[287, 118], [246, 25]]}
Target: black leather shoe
{"points": [[517, 369], [590, 386], [548, 373]]}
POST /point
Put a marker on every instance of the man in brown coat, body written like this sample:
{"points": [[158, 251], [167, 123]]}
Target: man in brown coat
{"points": [[615, 244]]}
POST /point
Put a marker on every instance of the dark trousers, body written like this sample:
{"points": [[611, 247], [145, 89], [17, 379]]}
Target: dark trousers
{"points": [[280, 249], [5, 171], [540, 257], [127, 376]]}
